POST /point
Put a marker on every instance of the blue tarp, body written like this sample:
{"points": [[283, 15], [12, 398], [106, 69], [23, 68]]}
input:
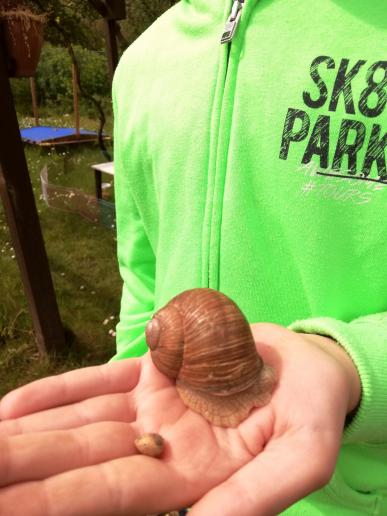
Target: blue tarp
{"points": [[40, 134]]}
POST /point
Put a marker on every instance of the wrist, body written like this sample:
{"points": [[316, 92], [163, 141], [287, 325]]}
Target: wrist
{"points": [[339, 354]]}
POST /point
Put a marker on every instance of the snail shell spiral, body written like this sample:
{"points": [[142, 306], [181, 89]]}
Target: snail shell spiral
{"points": [[202, 339]]}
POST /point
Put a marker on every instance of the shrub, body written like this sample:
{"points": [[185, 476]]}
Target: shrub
{"points": [[21, 93], [54, 80]]}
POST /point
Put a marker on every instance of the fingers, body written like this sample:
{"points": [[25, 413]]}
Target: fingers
{"points": [[112, 407], [38, 456], [127, 486], [283, 474], [120, 376]]}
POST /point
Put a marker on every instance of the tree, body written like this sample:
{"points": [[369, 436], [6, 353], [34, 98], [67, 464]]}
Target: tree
{"points": [[140, 14]]}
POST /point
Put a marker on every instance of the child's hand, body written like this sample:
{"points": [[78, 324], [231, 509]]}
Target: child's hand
{"points": [[66, 442]]}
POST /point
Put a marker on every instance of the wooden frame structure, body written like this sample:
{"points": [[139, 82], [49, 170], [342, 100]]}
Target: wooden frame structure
{"points": [[111, 11], [21, 213], [19, 204], [49, 136]]}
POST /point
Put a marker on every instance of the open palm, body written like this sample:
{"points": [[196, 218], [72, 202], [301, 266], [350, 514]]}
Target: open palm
{"points": [[66, 442]]}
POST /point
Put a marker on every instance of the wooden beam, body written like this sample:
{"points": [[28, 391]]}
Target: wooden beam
{"points": [[20, 210], [111, 46], [110, 9], [115, 9], [34, 100], [75, 99], [99, 6]]}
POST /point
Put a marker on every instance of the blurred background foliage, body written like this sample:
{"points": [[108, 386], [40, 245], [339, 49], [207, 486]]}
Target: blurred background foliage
{"points": [[82, 254], [78, 23], [54, 82]]}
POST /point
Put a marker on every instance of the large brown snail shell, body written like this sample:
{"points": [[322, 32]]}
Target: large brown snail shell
{"points": [[202, 339]]}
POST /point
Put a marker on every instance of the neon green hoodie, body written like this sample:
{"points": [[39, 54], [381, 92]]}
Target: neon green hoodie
{"points": [[258, 168]]}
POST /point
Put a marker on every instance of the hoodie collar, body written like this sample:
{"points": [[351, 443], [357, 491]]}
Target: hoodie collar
{"points": [[219, 10]]}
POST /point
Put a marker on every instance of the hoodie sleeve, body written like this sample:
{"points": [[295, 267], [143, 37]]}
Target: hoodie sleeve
{"points": [[136, 258], [365, 340]]}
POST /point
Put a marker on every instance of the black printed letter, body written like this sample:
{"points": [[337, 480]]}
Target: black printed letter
{"points": [[351, 149], [378, 88], [375, 152], [289, 135], [319, 142], [343, 85], [319, 82]]}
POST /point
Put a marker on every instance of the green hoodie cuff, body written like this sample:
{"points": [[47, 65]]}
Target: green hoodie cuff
{"points": [[136, 348], [362, 340]]}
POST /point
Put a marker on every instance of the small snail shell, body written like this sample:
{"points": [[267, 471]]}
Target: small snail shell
{"points": [[202, 339], [150, 444]]}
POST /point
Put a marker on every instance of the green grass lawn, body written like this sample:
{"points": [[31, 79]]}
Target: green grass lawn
{"points": [[82, 256]]}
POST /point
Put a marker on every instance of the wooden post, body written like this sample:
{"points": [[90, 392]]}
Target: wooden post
{"points": [[111, 11], [98, 183], [20, 210], [111, 46], [34, 100], [75, 98]]}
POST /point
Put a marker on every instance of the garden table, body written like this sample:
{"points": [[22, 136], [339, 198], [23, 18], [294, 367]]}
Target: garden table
{"points": [[99, 168]]}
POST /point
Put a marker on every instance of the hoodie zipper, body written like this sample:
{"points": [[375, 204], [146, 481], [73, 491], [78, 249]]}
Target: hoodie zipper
{"points": [[232, 21], [220, 127]]}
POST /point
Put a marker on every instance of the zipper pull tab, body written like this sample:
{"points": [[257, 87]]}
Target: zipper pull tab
{"points": [[232, 22]]}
